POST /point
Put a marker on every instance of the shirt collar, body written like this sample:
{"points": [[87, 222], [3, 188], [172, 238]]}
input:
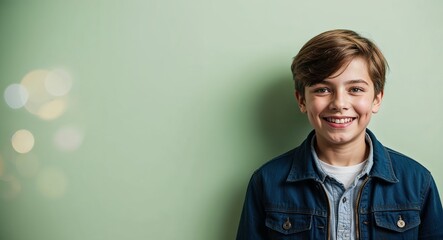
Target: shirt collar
{"points": [[304, 164], [366, 169]]}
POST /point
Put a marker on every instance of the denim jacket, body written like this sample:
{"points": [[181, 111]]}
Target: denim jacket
{"points": [[285, 199]]}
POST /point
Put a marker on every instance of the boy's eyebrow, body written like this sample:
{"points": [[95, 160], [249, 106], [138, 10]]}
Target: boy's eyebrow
{"points": [[353, 81]]}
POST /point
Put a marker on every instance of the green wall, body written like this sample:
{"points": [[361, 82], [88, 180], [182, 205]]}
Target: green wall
{"points": [[171, 105]]}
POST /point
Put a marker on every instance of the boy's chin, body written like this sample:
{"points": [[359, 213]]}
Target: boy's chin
{"points": [[339, 138]]}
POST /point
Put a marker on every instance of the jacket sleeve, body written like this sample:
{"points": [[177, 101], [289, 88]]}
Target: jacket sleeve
{"points": [[431, 226], [252, 220]]}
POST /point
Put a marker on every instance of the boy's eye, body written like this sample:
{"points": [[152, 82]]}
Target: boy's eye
{"points": [[356, 89], [322, 90]]}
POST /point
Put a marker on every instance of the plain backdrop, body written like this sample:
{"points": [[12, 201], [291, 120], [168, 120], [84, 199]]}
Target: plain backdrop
{"points": [[174, 104]]}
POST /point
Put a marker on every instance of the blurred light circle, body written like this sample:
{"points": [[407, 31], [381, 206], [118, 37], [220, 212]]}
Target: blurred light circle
{"points": [[40, 101], [51, 182], [22, 141], [34, 82], [68, 138], [58, 82], [16, 96], [10, 187], [52, 110]]}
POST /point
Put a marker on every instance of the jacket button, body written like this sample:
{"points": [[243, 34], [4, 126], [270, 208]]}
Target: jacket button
{"points": [[401, 223], [287, 225]]}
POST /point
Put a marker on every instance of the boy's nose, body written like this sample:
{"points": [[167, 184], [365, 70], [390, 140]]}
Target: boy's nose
{"points": [[339, 102]]}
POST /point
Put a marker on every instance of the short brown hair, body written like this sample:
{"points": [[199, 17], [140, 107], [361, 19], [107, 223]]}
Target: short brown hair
{"points": [[327, 52]]}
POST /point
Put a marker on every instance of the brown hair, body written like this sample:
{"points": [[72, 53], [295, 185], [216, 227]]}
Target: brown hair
{"points": [[327, 52]]}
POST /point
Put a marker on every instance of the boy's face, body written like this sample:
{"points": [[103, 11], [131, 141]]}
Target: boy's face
{"points": [[340, 107]]}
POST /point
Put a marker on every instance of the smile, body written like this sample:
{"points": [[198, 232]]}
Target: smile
{"points": [[339, 120]]}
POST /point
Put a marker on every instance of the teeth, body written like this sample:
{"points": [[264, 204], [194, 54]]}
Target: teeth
{"points": [[339, 121]]}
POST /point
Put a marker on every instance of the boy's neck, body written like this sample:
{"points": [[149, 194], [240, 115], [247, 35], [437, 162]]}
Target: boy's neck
{"points": [[343, 155]]}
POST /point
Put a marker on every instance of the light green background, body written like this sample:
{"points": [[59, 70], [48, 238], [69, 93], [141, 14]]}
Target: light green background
{"points": [[179, 101]]}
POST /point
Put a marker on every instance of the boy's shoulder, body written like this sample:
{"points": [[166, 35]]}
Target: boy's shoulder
{"points": [[277, 167], [298, 155], [403, 162], [281, 160], [386, 157]]}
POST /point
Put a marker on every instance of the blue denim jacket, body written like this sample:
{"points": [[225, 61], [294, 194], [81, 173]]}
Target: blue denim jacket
{"points": [[285, 199]]}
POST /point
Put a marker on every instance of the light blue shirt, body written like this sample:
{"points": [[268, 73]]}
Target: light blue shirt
{"points": [[342, 201]]}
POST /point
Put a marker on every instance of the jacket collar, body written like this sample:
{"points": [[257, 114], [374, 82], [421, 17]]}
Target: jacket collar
{"points": [[303, 165]]}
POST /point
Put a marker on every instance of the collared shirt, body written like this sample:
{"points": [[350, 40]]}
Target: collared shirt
{"points": [[342, 200]]}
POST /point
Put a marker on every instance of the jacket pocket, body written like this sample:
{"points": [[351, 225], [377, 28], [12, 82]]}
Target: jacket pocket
{"points": [[397, 221], [282, 223]]}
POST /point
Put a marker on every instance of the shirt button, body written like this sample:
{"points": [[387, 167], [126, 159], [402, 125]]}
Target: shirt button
{"points": [[401, 223], [344, 199], [287, 225]]}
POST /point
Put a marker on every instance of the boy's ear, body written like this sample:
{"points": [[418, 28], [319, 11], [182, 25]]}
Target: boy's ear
{"points": [[301, 101], [377, 102]]}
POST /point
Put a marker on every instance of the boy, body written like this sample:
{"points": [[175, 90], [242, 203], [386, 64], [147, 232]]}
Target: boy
{"points": [[341, 183]]}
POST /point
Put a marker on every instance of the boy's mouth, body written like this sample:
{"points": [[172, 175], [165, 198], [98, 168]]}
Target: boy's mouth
{"points": [[339, 120]]}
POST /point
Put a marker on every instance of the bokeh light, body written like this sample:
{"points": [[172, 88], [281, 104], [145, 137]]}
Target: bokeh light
{"points": [[44, 89], [16, 96], [10, 187], [27, 165], [42, 93], [52, 110], [22, 141], [68, 138], [58, 82], [52, 182], [34, 82]]}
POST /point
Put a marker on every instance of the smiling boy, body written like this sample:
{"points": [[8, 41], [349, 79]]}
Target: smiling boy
{"points": [[341, 182]]}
